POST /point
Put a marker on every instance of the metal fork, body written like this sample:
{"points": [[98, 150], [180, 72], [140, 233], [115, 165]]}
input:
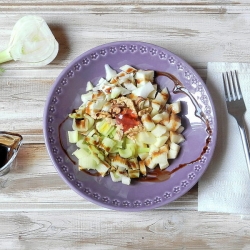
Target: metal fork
{"points": [[236, 107]]}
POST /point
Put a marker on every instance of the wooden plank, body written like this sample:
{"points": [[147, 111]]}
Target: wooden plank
{"points": [[141, 8], [124, 2], [33, 183], [194, 37], [118, 230]]}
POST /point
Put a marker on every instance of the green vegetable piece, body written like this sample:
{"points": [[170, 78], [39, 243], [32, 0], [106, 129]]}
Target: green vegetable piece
{"points": [[141, 150], [81, 153], [125, 153], [104, 127], [107, 144], [87, 163]]}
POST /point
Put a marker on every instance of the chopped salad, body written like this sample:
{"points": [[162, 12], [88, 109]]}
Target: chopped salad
{"points": [[126, 126]]}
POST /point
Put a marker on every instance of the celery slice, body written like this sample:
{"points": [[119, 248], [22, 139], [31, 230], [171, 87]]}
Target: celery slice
{"points": [[125, 153]]}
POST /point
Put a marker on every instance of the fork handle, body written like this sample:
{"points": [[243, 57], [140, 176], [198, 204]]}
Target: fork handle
{"points": [[245, 142]]}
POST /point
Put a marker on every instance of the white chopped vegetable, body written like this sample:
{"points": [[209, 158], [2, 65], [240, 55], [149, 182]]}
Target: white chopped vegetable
{"points": [[89, 86], [109, 72], [31, 41], [127, 68], [144, 90]]}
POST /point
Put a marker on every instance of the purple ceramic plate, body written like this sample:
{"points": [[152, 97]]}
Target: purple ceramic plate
{"points": [[196, 152]]}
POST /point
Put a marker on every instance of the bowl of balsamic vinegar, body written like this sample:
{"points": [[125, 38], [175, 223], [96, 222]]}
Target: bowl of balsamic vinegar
{"points": [[9, 147]]}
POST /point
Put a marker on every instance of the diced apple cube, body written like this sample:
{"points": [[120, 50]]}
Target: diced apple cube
{"points": [[152, 94], [164, 165], [162, 97], [159, 130], [147, 122], [126, 180], [143, 156], [157, 118], [116, 177], [180, 129], [155, 105], [150, 163], [141, 83], [146, 137], [176, 138], [174, 146], [154, 112], [128, 69], [153, 149], [173, 151], [165, 115], [159, 157], [174, 122], [176, 107], [160, 141], [144, 75], [172, 154]]}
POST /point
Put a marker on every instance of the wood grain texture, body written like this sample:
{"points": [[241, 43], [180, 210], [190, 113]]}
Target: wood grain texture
{"points": [[37, 209], [117, 230]]}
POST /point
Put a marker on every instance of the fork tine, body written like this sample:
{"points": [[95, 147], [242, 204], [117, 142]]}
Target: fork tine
{"points": [[229, 83], [233, 77], [238, 84], [225, 85]]}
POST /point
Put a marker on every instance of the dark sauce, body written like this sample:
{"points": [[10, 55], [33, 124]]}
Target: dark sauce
{"points": [[91, 172], [3, 155], [60, 140], [156, 175]]}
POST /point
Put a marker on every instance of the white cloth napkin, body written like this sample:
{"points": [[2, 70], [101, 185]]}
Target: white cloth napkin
{"points": [[225, 186]]}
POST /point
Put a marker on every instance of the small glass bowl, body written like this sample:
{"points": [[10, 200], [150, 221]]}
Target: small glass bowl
{"points": [[9, 147]]}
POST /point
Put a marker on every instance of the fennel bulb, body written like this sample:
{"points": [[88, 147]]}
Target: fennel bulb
{"points": [[31, 41]]}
